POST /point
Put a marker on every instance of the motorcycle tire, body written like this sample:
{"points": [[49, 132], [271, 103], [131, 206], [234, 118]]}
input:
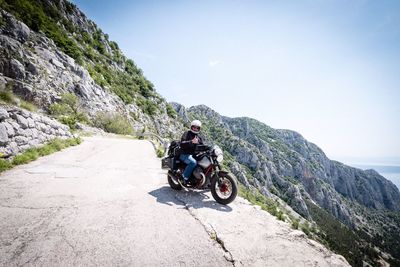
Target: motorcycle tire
{"points": [[233, 189], [172, 183]]}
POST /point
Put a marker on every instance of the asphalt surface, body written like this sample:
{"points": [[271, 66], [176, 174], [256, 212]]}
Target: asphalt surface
{"points": [[106, 202], [102, 203]]}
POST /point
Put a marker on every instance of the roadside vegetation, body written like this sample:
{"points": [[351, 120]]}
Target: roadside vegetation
{"points": [[34, 153], [9, 97], [68, 111], [113, 123]]}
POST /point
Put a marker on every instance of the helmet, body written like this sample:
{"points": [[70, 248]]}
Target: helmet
{"points": [[195, 126]]}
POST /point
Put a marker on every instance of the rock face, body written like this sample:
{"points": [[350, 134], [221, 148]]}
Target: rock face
{"points": [[21, 130]]}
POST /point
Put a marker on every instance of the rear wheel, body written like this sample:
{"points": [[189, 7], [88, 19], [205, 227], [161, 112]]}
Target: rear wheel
{"points": [[173, 183], [224, 189]]}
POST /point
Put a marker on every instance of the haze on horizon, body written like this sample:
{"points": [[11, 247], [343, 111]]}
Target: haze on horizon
{"points": [[326, 69]]}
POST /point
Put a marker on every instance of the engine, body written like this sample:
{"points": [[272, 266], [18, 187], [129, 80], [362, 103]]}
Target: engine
{"points": [[199, 174]]}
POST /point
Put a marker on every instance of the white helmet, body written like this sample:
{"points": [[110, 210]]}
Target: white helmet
{"points": [[196, 124]]}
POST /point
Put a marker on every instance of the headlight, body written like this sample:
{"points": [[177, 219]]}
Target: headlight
{"points": [[217, 151], [220, 158]]}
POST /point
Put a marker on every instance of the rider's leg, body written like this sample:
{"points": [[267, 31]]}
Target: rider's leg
{"points": [[190, 165]]}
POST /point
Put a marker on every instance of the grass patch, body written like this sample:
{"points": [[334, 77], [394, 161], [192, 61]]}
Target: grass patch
{"points": [[5, 165], [28, 106], [7, 97], [34, 153], [114, 123], [295, 224], [265, 203]]}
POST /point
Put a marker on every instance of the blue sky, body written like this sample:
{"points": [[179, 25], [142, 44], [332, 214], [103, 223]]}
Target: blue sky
{"points": [[329, 70]]}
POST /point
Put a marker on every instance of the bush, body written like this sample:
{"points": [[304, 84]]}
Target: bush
{"points": [[148, 106], [68, 111], [171, 111], [160, 152], [113, 123]]}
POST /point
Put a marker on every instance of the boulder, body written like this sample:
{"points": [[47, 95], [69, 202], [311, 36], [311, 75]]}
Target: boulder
{"points": [[57, 63], [22, 121], [32, 68], [10, 129], [3, 114], [31, 123], [24, 90], [16, 29], [15, 70], [21, 140], [3, 134]]}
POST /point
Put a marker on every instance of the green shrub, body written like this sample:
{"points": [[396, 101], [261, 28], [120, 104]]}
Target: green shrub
{"points": [[114, 123], [160, 152], [58, 109], [68, 120], [68, 111], [148, 106], [171, 111]]}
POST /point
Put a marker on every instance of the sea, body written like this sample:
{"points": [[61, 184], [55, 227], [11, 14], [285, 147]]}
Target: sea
{"points": [[392, 173]]}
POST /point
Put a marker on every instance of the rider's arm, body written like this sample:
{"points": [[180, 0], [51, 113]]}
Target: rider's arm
{"points": [[186, 142]]}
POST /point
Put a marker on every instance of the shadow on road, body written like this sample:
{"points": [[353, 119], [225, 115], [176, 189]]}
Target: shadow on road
{"points": [[194, 199]]}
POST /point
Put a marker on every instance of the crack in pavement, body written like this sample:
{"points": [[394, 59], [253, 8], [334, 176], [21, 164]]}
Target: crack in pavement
{"points": [[211, 232], [32, 260]]}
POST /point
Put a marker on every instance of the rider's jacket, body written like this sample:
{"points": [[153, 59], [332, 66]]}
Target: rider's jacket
{"points": [[187, 147]]}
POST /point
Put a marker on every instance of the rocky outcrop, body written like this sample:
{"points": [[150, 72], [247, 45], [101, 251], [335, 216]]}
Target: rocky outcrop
{"points": [[21, 130]]}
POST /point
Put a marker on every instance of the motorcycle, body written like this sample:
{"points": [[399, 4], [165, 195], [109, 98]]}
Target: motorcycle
{"points": [[207, 174]]}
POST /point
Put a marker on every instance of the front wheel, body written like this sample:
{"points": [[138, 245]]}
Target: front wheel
{"points": [[173, 183], [224, 189]]}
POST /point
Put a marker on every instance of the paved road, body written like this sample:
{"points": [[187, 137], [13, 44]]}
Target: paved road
{"points": [[107, 203], [101, 203]]}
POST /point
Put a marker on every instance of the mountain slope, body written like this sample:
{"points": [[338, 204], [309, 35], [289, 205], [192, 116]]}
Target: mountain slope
{"points": [[282, 163], [57, 50]]}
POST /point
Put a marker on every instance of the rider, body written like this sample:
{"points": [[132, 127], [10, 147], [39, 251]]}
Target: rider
{"points": [[189, 141]]}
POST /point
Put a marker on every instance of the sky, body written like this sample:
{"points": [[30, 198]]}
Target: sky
{"points": [[329, 70]]}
